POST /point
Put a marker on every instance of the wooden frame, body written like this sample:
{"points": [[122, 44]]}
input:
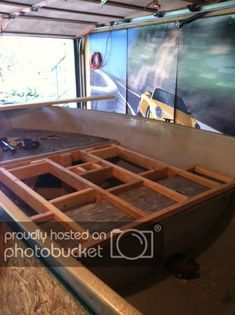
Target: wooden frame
{"points": [[94, 163], [94, 167]]}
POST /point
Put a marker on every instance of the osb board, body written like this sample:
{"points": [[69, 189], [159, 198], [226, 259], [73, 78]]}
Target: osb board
{"points": [[32, 289], [146, 199], [182, 185], [101, 216], [65, 141]]}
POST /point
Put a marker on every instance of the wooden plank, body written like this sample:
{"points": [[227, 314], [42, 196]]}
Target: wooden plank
{"points": [[195, 178], [165, 191], [65, 175], [98, 176], [34, 200], [78, 170], [127, 186], [83, 166], [105, 153], [123, 175], [155, 175], [138, 158], [147, 173], [30, 170], [212, 174], [97, 166], [43, 217], [104, 172], [101, 146], [56, 102], [124, 206], [76, 199], [66, 159]]}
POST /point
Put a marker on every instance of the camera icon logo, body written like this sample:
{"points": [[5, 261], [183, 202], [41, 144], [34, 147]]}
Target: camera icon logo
{"points": [[132, 244]]}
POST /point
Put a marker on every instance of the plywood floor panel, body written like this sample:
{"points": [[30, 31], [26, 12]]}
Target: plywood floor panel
{"points": [[146, 199], [101, 216]]}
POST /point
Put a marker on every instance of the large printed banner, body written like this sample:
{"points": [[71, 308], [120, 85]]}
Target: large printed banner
{"points": [[206, 73], [110, 76], [184, 76]]}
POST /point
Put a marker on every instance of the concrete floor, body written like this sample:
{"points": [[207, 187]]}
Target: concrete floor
{"points": [[213, 293]]}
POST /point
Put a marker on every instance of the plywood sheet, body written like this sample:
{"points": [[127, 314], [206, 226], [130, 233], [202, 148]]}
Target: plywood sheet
{"points": [[65, 141], [146, 199], [101, 216]]}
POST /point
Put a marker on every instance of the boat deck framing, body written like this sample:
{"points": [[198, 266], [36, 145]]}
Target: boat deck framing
{"points": [[85, 170]]}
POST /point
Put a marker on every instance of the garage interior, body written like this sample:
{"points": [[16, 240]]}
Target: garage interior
{"points": [[141, 143]]}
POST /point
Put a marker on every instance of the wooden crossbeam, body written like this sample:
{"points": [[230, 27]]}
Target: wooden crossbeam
{"points": [[125, 206], [76, 199], [105, 153], [125, 187], [83, 166], [30, 170], [139, 158], [65, 175], [156, 175], [98, 176], [213, 175], [43, 217], [165, 191], [122, 175], [195, 178]]}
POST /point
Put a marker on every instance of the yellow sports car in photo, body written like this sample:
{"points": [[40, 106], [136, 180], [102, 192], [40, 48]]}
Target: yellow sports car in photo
{"points": [[161, 105]]}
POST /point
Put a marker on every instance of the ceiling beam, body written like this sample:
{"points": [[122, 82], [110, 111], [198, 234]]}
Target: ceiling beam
{"points": [[25, 5], [38, 34], [46, 18], [121, 5]]}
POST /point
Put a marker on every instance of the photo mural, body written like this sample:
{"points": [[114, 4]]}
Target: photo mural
{"points": [[206, 72], [108, 75], [184, 76]]}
